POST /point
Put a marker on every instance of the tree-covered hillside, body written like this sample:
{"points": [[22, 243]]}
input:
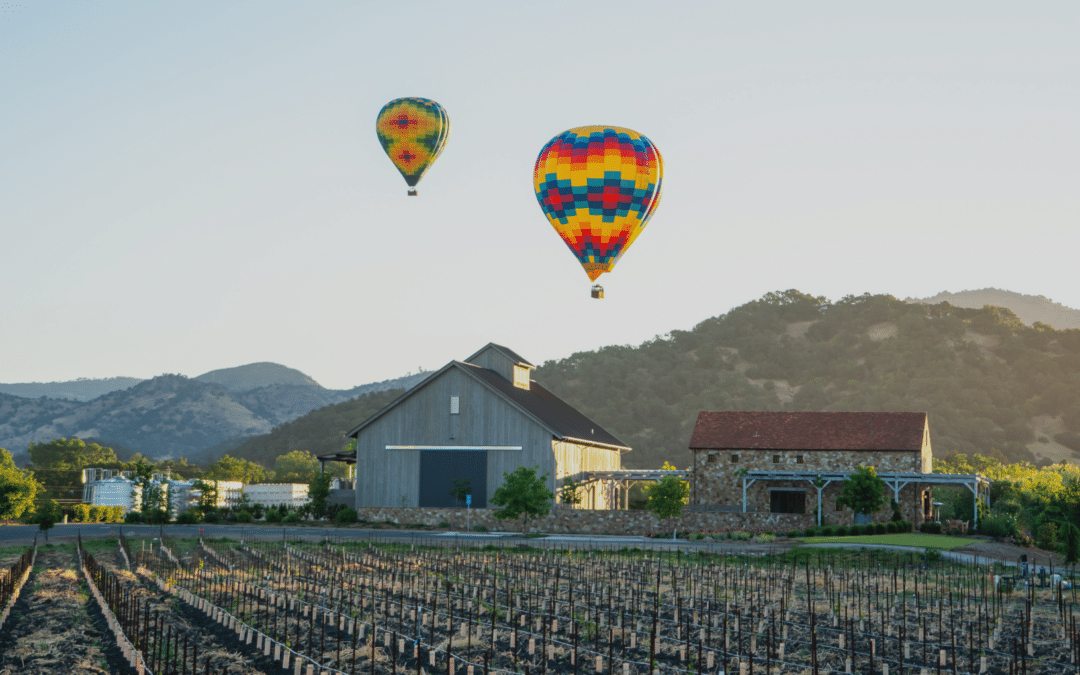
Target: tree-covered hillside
{"points": [[319, 432], [991, 384]]}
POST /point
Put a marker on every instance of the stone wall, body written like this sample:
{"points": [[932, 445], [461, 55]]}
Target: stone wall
{"points": [[580, 521], [715, 480]]}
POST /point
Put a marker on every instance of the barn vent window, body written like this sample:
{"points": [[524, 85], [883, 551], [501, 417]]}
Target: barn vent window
{"points": [[776, 459], [734, 459], [798, 459], [521, 377], [711, 457], [455, 405]]}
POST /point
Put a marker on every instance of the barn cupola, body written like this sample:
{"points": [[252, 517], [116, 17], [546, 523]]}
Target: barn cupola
{"points": [[505, 362]]}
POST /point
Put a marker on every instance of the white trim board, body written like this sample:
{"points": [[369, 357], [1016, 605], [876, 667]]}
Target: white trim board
{"points": [[453, 447]]}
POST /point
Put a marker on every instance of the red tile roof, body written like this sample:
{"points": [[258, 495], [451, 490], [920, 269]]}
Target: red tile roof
{"points": [[729, 430]]}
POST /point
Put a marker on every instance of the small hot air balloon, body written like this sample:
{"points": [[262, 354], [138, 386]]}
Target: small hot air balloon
{"points": [[598, 186], [413, 132]]}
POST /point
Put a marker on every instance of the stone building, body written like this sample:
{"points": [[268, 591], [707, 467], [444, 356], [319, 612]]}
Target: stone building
{"points": [[792, 462]]}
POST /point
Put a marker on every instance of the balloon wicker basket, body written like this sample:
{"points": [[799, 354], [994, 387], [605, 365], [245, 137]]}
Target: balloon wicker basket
{"points": [[598, 291], [412, 192]]}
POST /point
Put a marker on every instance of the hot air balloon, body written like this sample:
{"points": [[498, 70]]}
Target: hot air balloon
{"points": [[598, 186], [413, 132]]}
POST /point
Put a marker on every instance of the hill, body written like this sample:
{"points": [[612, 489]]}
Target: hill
{"points": [[256, 376], [82, 389], [1028, 308], [991, 384]]}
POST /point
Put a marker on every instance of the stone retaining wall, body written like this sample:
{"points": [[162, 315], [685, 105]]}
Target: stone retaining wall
{"points": [[580, 521]]}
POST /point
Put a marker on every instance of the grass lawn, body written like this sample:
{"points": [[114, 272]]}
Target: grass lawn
{"points": [[907, 539]]}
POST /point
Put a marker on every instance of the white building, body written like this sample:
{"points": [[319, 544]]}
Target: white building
{"points": [[276, 494], [111, 492]]}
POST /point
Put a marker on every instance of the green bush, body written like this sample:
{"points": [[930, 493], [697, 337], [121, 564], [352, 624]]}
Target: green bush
{"points": [[931, 528], [479, 528], [891, 527], [244, 516], [444, 525], [766, 538], [346, 516], [879, 528], [840, 531], [292, 518], [827, 531], [1047, 536], [133, 517], [741, 536], [187, 518], [791, 533], [273, 516], [997, 526]]}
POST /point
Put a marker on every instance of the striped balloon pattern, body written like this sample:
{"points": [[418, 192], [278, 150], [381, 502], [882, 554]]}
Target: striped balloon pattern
{"points": [[598, 187], [413, 132]]}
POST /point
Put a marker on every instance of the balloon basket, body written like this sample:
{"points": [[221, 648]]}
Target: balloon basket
{"points": [[598, 292], [412, 192]]}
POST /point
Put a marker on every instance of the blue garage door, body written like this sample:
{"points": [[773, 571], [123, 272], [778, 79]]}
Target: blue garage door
{"points": [[439, 468]]}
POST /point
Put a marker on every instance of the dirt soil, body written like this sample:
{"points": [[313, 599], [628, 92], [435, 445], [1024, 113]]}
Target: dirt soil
{"points": [[55, 626], [1011, 552]]}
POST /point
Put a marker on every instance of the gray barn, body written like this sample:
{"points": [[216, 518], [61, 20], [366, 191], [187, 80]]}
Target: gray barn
{"points": [[477, 419]]}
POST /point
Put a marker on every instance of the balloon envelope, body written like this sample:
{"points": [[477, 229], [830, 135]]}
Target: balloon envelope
{"points": [[413, 132], [598, 186]]}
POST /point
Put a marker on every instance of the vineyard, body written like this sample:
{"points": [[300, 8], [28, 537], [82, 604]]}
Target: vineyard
{"points": [[299, 606]]}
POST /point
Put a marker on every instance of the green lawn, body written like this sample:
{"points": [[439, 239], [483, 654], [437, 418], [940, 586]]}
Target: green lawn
{"points": [[908, 539]]}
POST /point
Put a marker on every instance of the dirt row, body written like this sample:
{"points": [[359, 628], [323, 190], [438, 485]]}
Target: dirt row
{"points": [[55, 626]]}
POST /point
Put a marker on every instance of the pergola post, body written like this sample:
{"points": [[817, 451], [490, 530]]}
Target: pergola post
{"points": [[744, 486]]}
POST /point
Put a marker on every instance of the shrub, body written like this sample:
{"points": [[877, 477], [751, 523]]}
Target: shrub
{"points": [[346, 516], [1047, 536], [931, 528], [827, 531], [766, 537], [273, 516], [211, 517], [741, 536], [187, 518], [891, 528], [97, 514], [841, 531], [443, 525], [879, 528], [292, 518], [997, 526], [791, 533], [133, 517], [480, 528], [244, 516]]}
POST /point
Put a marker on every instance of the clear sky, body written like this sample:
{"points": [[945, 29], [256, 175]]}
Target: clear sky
{"points": [[196, 185]]}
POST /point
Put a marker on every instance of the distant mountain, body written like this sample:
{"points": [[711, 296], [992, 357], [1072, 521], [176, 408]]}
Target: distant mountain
{"points": [[1029, 308], [173, 416], [82, 389], [257, 376]]}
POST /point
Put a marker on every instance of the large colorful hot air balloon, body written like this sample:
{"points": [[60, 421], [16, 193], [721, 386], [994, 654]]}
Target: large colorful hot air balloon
{"points": [[413, 132], [598, 186]]}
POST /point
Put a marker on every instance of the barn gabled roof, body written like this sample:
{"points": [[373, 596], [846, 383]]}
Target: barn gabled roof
{"points": [[881, 431], [564, 421], [506, 351]]}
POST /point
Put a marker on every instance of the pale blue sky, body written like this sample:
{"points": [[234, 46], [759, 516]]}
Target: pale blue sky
{"points": [[198, 185]]}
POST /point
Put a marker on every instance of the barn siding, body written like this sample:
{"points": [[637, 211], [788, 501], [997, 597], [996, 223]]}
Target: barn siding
{"points": [[574, 459], [391, 478], [496, 361]]}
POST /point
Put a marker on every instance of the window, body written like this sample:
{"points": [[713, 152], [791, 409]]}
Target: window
{"points": [[787, 501], [734, 459], [455, 406], [711, 457], [776, 459], [521, 377], [798, 459]]}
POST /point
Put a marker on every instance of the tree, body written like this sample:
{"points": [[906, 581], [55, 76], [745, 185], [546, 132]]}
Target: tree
{"points": [[208, 494], [666, 498], [462, 488], [319, 494], [17, 488], [863, 491], [1071, 542], [298, 466], [70, 453], [570, 493], [48, 514], [232, 469], [523, 493]]}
